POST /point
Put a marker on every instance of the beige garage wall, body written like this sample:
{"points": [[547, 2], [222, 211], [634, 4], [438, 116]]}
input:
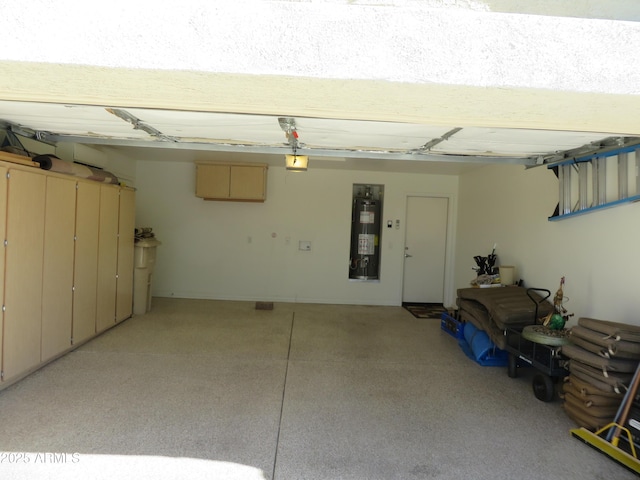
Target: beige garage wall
{"points": [[249, 251], [596, 252]]}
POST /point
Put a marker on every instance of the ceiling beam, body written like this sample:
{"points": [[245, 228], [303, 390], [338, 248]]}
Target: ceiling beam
{"points": [[373, 100]]}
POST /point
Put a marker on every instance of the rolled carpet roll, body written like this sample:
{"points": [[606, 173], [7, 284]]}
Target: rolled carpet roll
{"points": [[44, 161], [98, 175], [54, 164]]}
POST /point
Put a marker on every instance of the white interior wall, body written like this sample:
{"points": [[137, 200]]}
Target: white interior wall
{"points": [[596, 252], [120, 165], [249, 251]]}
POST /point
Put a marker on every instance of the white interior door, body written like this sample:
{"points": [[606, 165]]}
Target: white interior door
{"points": [[425, 249]]}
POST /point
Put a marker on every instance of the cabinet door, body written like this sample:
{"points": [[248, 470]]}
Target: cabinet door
{"points": [[126, 236], [57, 272], [23, 272], [212, 181], [3, 224], [107, 257], [85, 275], [247, 183]]}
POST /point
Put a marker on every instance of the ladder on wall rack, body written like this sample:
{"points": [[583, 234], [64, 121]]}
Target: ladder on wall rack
{"points": [[597, 181]]}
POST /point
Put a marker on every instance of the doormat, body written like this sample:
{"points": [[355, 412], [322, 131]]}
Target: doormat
{"points": [[425, 310]]}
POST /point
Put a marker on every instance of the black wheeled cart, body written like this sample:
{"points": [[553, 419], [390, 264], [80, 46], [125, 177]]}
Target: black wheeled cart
{"points": [[530, 347]]}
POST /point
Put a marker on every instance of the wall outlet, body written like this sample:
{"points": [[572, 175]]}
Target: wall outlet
{"points": [[304, 245]]}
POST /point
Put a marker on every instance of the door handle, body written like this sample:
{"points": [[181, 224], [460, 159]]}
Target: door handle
{"points": [[406, 255]]}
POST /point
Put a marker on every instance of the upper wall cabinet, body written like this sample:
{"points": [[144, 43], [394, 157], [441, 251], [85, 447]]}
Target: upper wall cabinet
{"points": [[235, 182]]}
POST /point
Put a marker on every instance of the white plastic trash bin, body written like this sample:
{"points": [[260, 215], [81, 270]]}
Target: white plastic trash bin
{"points": [[507, 275], [144, 262]]}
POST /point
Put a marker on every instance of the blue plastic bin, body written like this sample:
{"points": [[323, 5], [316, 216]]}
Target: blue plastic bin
{"points": [[452, 326]]}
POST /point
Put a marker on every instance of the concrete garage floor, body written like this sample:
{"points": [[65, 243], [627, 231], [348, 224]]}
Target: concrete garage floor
{"points": [[216, 389]]}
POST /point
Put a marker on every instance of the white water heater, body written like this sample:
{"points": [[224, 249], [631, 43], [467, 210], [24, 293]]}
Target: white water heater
{"points": [[365, 237]]}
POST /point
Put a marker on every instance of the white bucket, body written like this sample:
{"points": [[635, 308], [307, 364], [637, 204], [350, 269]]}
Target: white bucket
{"points": [[507, 274]]}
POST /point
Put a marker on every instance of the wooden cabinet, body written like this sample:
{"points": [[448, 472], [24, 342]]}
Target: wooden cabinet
{"points": [[66, 272], [212, 181], [107, 257], [85, 275], [248, 182], [23, 272], [57, 274], [3, 225], [236, 182], [126, 240]]}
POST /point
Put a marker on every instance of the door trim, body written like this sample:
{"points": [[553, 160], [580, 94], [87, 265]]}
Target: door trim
{"points": [[449, 294]]}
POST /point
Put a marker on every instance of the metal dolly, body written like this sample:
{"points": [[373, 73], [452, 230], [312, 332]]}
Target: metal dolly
{"points": [[543, 357]]}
